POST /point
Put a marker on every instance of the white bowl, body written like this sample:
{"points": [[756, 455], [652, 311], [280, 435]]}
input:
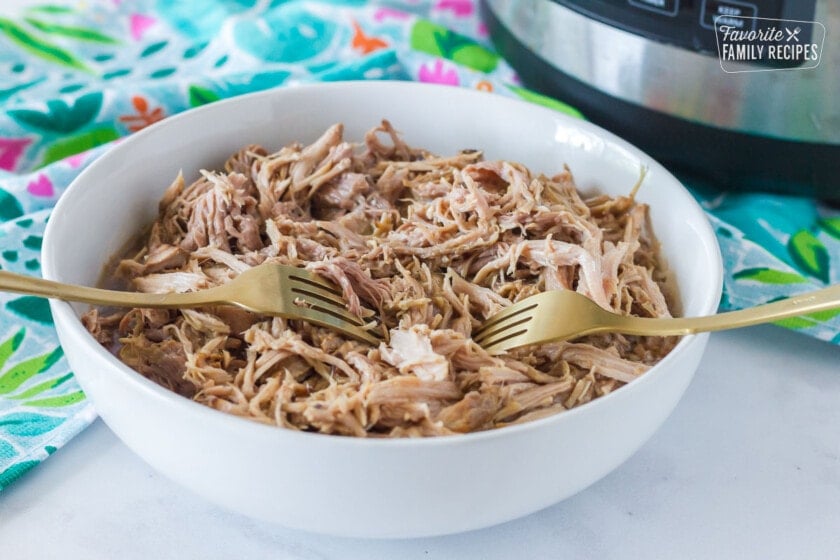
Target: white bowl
{"points": [[357, 487]]}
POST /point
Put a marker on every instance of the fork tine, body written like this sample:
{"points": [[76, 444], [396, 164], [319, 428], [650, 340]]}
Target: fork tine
{"points": [[321, 295], [505, 341], [317, 292], [505, 317], [323, 304], [306, 301], [330, 319], [313, 280], [518, 324]]}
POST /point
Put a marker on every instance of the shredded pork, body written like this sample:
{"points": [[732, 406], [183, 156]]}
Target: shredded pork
{"points": [[433, 245]]}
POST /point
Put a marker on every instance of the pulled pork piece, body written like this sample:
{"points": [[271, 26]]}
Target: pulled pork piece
{"points": [[411, 352], [433, 245]]}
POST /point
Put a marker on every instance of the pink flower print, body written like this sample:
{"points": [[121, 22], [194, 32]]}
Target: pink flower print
{"points": [[42, 186], [10, 151], [438, 74], [384, 13], [461, 8], [139, 24], [481, 30]]}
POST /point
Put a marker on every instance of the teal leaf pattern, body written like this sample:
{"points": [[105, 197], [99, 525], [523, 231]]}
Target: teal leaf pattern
{"points": [[52, 9], [14, 472], [7, 450], [153, 48], [14, 90], [754, 275], [41, 404], [194, 50], [808, 321], [201, 96], [116, 73], [33, 119], [809, 254], [767, 221], [21, 372], [28, 424], [32, 308], [80, 33], [41, 48], [71, 88], [33, 242], [831, 226], [10, 208], [43, 387], [769, 276], [162, 73], [56, 402], [10, 346], [60, 117]]}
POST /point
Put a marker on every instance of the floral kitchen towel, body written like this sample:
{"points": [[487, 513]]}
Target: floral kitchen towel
{"points": [[41, 405], [774, 247], [75, 76]]}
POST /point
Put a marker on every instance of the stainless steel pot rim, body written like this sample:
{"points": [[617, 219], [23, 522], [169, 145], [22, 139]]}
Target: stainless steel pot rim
{"points": [[798, 105]]}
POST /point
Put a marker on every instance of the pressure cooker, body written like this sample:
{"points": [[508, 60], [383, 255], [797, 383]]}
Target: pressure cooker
{"points": [[743, 93]]}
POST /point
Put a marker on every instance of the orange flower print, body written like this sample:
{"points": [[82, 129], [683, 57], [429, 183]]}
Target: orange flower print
{"points": [[365, 44], [143, 117], [484, 85]]}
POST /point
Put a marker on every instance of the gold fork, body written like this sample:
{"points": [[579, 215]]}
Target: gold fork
{"points": [[564, 315], [270, 289]]}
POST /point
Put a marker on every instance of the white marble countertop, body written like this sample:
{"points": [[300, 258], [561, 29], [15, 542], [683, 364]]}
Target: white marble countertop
{"points": [[748, 466]]}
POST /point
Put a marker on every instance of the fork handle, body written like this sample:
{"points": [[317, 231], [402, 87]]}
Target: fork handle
{"points": [[30, 285], [812, 302]]}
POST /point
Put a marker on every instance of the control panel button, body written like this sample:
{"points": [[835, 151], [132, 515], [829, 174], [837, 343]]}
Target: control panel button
{"points": [[665, 7], [728, 12]]}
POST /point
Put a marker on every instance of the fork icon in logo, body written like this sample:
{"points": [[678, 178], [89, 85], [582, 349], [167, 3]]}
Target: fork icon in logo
{"points": [[793, 34]]}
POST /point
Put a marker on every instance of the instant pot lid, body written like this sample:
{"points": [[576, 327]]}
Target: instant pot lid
{"points": [[773, 130]]}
